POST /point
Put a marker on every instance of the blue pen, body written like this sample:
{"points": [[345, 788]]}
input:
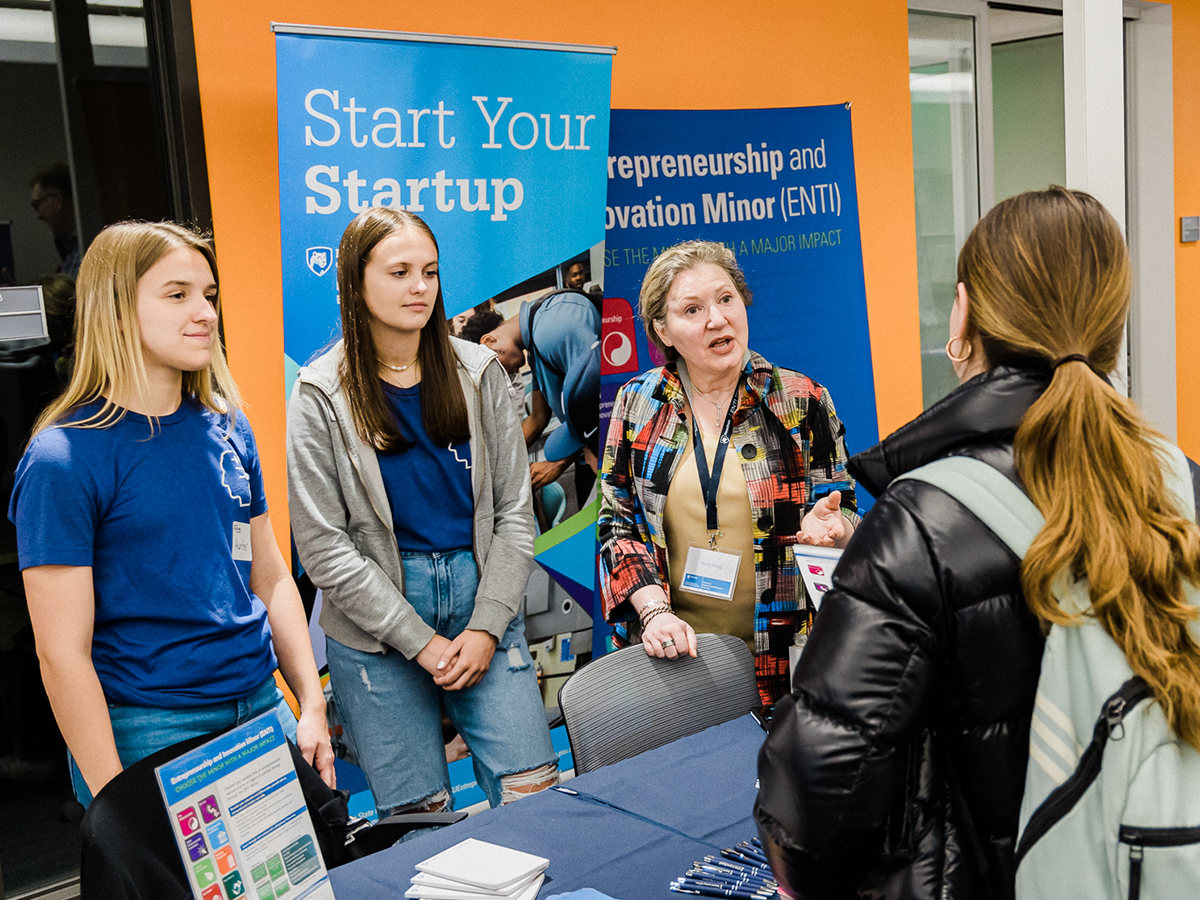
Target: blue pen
{"points": [[727, 875], [746, 848], [730, 863], [741, 857], [737, 873], [715, 892], [722, 885]]}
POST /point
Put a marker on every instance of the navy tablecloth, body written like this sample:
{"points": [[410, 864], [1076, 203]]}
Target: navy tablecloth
{"points": [[677, 803]]}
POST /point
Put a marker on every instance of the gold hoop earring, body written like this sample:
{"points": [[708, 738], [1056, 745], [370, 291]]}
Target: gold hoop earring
{"points": [[963, 357]]}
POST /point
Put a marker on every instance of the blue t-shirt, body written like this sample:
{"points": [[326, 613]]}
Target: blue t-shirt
{"points": [[155, 515], [565, 328], [428, 485]]}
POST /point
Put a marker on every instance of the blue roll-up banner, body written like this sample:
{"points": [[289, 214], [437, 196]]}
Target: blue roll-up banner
{"points": [[777, 187], [500, 146]]}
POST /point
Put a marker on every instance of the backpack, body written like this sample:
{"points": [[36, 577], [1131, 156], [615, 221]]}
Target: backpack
{"points": [[1112, 797]]}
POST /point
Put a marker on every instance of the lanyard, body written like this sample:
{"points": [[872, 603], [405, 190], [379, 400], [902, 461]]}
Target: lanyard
{"points": [[711, 483]]}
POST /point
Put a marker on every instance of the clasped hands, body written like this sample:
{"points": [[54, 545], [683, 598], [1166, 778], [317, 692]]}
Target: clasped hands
{"points": [[459, 663]]}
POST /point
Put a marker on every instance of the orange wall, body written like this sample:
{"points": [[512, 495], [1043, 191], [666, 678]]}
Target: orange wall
{"points": [[1185, 36], [671, 54]]}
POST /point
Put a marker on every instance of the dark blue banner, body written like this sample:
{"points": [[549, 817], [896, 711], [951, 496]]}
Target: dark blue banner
{"points": [[777, 187]]}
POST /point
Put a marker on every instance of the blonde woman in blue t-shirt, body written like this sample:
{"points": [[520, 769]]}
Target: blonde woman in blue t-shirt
{"points": [[159, 599]]}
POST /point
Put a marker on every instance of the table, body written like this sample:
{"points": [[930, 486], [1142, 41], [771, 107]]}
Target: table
{"points": [[678, 803]]}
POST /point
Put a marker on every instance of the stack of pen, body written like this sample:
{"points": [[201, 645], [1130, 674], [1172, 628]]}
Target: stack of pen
{"points": [[740, 871]]}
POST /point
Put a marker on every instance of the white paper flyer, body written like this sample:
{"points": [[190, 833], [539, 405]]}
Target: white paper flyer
{"points": [[240, 819], [816, 566]]}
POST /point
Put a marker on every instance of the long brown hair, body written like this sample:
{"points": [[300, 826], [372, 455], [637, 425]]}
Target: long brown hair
{"points": [[1048, 275], [108, 343], [443, 407]]}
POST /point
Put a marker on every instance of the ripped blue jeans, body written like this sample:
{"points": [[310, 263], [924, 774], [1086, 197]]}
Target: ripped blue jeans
{"points": [[390, 705]]}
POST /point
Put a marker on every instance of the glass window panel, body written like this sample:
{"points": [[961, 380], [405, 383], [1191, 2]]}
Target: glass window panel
{"points": [[27, 25], [941, 51], [1029, 113], [118, 40], [26, 36]]}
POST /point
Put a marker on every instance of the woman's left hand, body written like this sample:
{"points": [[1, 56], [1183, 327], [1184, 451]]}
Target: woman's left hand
{"points": [[464, 663], [312, 737], [824, 525]]}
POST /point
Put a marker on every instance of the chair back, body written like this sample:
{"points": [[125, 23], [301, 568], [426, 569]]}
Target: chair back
{"points": [[626, 702]]}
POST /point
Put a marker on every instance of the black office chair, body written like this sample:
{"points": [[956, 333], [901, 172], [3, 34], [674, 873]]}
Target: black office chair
{"points": [[626, 702], [129, 849]]}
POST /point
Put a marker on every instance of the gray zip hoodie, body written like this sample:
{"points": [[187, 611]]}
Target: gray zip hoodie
{"points": [[342, 521]]}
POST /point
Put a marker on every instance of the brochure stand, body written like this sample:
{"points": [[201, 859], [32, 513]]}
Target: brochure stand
{"points": [[240, 818]]}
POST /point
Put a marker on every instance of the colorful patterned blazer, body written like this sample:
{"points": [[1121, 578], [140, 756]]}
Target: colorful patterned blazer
{"points": [[791, 445]]}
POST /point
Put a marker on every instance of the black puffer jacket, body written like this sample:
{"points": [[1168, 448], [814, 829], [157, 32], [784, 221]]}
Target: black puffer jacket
{"points": [[896, 768]]}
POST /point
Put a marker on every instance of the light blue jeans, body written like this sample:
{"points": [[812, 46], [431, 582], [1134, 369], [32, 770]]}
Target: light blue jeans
{"points": [[142, 730], [392, 709]]}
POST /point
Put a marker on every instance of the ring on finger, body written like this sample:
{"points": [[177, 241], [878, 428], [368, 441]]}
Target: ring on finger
{"points": [[669, 642]]}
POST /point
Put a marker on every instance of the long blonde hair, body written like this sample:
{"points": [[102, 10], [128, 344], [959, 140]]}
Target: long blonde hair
{"points": [[108, 343], [1048, 276]]}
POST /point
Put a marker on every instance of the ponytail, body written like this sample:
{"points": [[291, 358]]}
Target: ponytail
{"points": [[1091, 466], [1048, 276]]}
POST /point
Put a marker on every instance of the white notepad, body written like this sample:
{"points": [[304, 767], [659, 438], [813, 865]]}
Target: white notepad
{"points": [[484, 865], [526, 890], [425, 880]]}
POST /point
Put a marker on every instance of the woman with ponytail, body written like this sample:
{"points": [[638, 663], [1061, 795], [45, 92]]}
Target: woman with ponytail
{"points": [[896, 767]]}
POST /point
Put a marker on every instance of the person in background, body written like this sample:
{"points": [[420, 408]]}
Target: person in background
{"points": [[160, 603], [459, 322], [768, 437], [561, 334], [550, 499], [410, 506], [58, 294], [51, 197], [896, 767], [473, 331], [576, 276]]}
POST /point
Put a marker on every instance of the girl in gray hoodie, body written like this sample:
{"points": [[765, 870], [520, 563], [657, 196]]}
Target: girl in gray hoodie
{"points": [[409, 494]]}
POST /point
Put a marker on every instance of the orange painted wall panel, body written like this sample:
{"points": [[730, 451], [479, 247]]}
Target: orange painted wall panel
{"points": [[674, 54], [1185, 36]]}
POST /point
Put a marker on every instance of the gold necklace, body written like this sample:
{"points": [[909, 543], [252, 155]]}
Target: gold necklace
{"points": [[397, 368]]}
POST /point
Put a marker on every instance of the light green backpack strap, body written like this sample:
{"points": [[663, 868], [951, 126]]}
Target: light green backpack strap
{"points": [[1177, 476], [989, 496]]}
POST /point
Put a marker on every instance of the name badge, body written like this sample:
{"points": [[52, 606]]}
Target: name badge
{"points": [[241, 541], [712, 573]]}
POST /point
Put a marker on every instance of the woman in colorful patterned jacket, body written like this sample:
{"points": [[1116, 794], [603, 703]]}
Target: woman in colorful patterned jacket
{"points": [[689, 543]]}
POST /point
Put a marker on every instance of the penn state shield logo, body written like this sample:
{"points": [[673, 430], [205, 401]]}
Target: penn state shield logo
{"points": [[320, 259]]}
